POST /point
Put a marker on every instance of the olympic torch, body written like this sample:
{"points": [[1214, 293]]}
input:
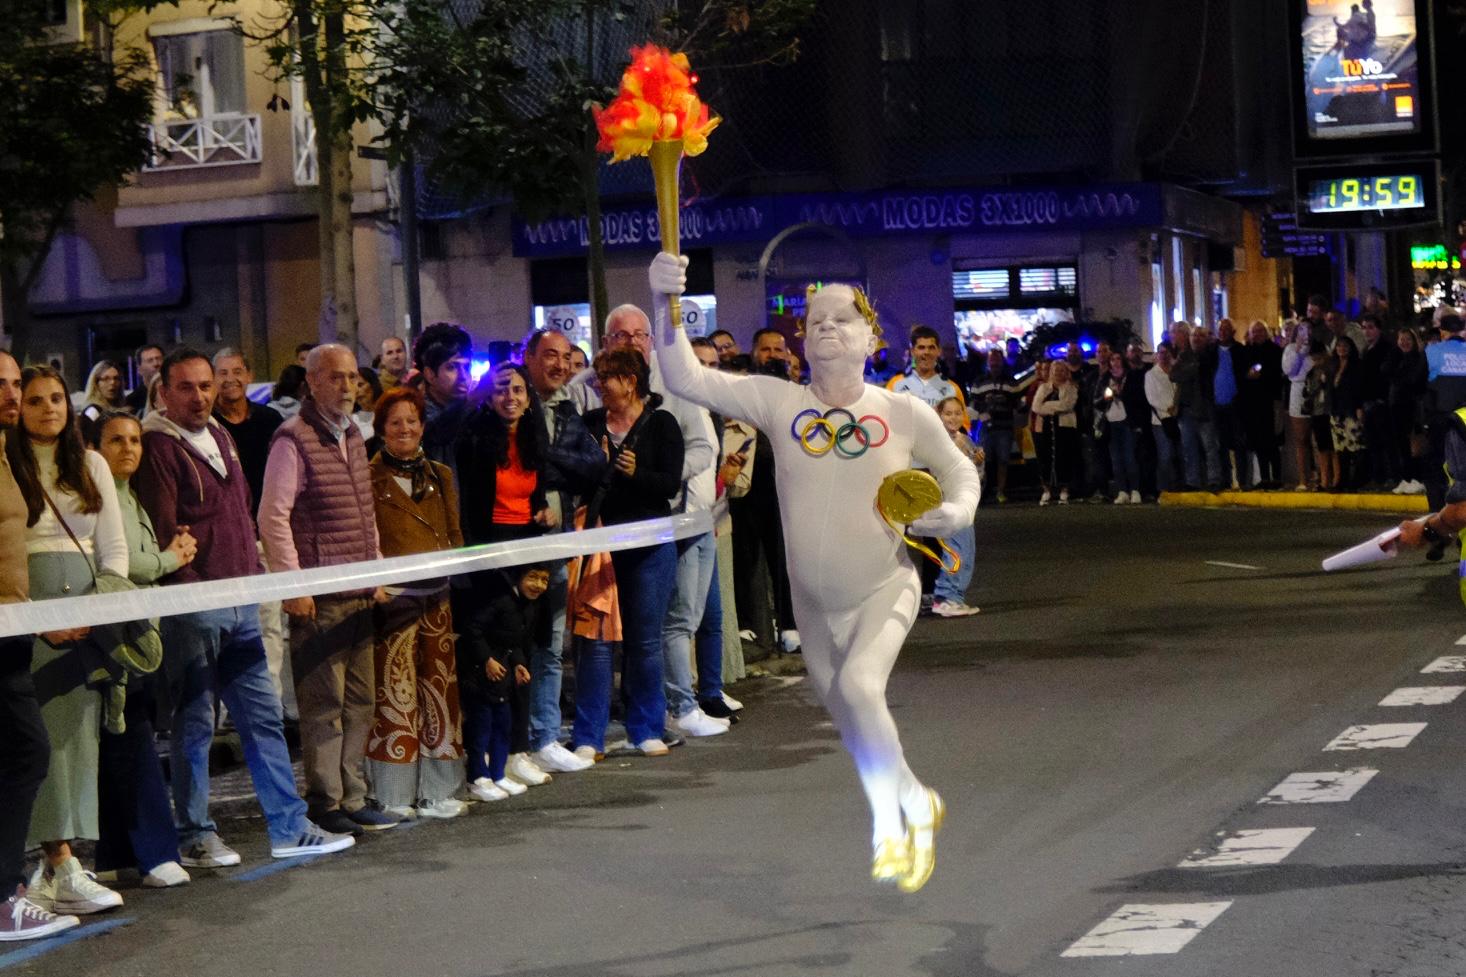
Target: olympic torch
{"points": [[657, 114]]}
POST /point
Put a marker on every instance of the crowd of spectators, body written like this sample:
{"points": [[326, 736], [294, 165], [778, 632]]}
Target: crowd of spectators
{"points": [[1212, 411], [409, 701]]}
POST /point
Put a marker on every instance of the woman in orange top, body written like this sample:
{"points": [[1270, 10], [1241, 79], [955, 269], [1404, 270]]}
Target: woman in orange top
{"points": [[500, 455]]}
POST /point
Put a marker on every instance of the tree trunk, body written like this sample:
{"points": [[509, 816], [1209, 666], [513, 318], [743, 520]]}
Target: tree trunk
{"points": [[323, 70], [334, 146]]}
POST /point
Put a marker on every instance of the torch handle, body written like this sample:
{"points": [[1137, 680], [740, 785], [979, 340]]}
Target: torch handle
{"points": [[665, 157]]}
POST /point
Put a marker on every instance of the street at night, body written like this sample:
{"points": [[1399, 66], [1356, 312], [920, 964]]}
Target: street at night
{"points": [[1124, 700]]}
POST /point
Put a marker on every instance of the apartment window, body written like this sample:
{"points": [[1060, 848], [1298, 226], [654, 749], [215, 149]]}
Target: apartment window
{"points": [[201, 75]]}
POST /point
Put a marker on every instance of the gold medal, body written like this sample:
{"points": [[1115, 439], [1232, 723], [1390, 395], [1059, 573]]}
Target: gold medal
{"points": [[903, 498]]}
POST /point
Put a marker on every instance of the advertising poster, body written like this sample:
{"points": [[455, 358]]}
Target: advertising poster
{"points": [[1361, 78]]}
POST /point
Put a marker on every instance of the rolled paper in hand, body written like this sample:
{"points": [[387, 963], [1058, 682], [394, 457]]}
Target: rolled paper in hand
{"points": [[904, 497], [1381, 547]]}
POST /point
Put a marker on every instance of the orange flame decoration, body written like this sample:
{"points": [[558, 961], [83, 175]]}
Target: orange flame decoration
{"points": [[656, 103]]}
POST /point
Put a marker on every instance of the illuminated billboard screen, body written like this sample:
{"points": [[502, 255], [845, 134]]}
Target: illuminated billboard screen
{"points": [[1361, 74]]}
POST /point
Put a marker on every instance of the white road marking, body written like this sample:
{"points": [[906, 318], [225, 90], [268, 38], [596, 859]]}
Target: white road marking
{"points": [[1233, 566], [1143, 929], [1461, 640], [1327, 787], [1446, 663], [1429, 695], [1267, 846], [1376, 736]]}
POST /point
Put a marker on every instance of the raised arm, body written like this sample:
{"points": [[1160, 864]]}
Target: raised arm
{"points": [[751, 399]]}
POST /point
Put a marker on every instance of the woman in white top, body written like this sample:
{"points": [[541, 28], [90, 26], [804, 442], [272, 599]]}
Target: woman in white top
{"points": [[1296, 365], [61, 480], [1055, 425]]}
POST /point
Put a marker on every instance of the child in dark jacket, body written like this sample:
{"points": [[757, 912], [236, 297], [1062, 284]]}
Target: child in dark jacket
{"points": [[493, 674]]}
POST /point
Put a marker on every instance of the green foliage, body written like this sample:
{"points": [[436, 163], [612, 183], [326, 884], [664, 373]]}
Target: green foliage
{"points": [[71, 123]]}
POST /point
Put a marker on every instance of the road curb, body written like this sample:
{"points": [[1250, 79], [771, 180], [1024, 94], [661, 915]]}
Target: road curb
{"points": [[1354, 502]]}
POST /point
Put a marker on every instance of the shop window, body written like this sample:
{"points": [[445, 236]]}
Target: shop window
{"points": [[993, 305], [986, 283]]}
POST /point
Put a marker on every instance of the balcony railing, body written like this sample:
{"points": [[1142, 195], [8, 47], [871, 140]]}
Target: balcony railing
{"points": [[220, 140], [303, 134]]}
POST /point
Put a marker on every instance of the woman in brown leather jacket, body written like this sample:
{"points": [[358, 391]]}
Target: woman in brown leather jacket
{"points": [[414, 757]]}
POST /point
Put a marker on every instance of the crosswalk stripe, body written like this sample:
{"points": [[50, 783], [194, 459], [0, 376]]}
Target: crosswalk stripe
{"points": [[1427, 695], [1325, 787], [1137, 929], [1446, 663], [1376, 736], [1263, 846]]}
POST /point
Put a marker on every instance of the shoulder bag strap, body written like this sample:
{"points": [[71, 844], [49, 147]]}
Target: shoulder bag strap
{"points": [[59, 518]]}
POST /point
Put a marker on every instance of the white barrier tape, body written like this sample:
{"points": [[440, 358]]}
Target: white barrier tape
{"points": [[95, 609]]}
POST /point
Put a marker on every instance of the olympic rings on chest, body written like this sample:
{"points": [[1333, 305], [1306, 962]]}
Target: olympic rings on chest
{"points": [[819, 434]]}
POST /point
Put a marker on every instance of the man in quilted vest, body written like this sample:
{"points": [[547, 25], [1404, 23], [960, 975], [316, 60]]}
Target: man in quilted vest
{"points": [[317, 510]]}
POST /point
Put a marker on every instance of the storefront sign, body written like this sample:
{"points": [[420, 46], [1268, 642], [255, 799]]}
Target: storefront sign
{"points": [[757, 219]]}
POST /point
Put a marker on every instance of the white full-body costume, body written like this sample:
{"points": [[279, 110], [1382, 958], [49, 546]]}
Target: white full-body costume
{"points": [[856, 592]]}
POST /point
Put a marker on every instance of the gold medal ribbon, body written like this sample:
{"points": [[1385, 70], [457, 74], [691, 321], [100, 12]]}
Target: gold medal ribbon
{"points": [[902, 498]]}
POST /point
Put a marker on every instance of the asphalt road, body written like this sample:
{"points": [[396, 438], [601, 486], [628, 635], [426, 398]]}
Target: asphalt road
{"points": [[1120, 703]]}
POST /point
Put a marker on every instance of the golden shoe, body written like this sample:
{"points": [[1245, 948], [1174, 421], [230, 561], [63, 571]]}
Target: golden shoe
{"points": [[892, 861], [921, 839]]}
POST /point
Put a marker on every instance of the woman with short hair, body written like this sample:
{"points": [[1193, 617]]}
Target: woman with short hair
{"points": [[643, 445], [414, 756]]}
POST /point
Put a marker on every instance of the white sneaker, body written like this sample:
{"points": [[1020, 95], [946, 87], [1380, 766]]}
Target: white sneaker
{"points": [[41, 889], [652, 747], [521, 768], [1122, 499], [166, 876], [313, 841], [731, 702], [443, 808], [955, 608], [698, 723], [78, 891], [558, 759], [1401, 487], [587, 753], [1417, 487], [747, 634], [1063, 496], [486, 790], [401, 812], [511, 787], [789, 640], [1134, 497], [1044, 499]]}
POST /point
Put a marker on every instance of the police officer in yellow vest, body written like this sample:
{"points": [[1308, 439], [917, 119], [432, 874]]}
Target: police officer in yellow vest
{"points": [[1439, 528]]}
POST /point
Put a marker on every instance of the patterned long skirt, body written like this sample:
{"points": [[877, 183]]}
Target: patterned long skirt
{"points": [[415, 751]]}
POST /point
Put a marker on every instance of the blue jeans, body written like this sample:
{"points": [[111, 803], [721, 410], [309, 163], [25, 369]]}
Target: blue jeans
{"points": [[710, 639], [697, 558], [1123, 459], [592, 693], [951, 588], [545, 666], [644, 581], [222, 650], [487, 728], [1165, 459], [1199, 436]]}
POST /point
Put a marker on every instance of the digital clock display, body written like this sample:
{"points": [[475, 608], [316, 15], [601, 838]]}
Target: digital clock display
{"points": [[1390, 191]]}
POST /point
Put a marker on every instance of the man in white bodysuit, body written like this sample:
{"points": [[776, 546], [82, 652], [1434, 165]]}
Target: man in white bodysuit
{"points": [[856, 592]]}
